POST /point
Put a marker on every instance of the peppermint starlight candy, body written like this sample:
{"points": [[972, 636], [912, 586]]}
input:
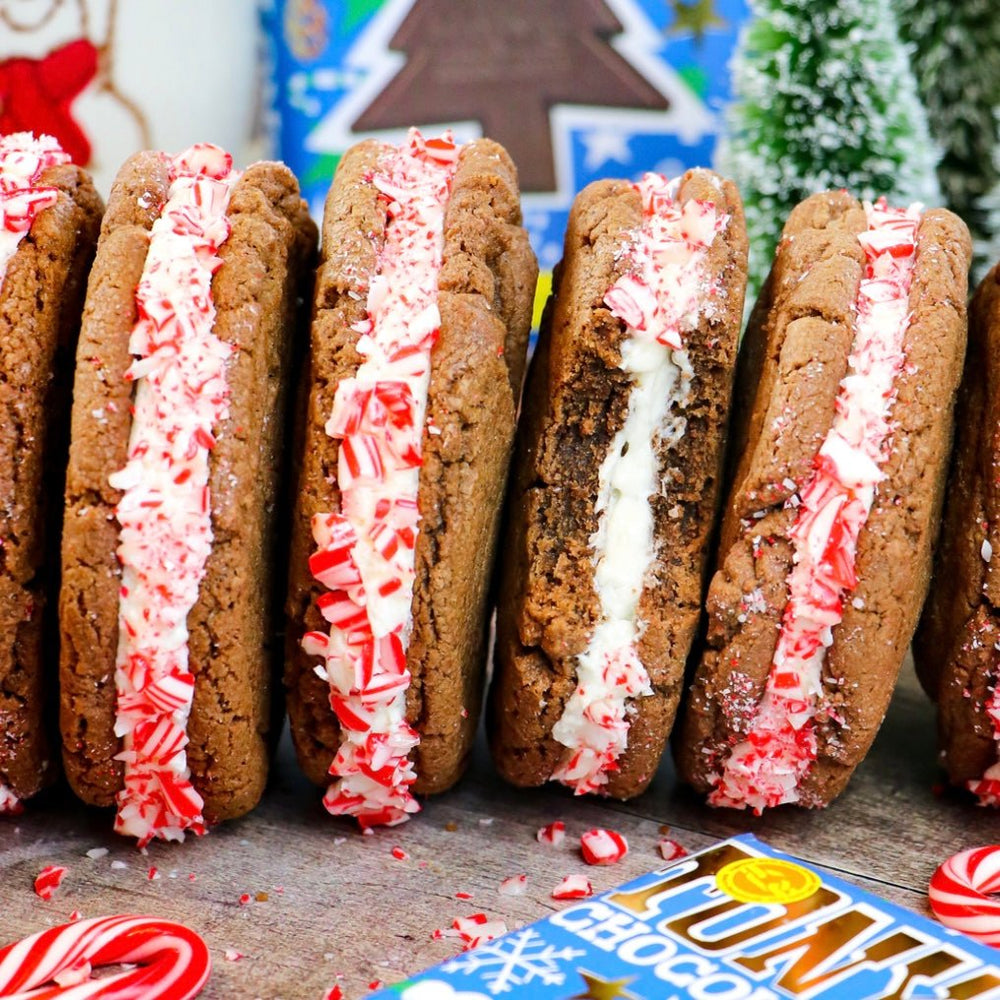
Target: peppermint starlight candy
{"points": [[422, 310], [962, 893], [172, 962], [842, 425], [616, 482], [169, 545], [957, 647], [50, 215]]}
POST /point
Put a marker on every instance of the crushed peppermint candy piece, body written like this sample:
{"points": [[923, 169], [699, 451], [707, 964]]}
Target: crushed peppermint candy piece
{"points": [[986, 551], [461, 894], [97, 852], [514, 885], [473, 930], [399, 854], [573, 887], [245, 899], [603, 847], [153, 873], [74, 975], [554, 833], [74, 916], [232, 955], [334, 993], [48, 880], [670, 850]]}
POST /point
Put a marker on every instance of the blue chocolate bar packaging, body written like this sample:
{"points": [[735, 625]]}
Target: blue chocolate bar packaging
{"points": [[575, 90], [736, 921]]}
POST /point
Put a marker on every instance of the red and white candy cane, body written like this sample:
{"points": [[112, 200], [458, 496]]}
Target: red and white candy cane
{"points": [[961, 893], [172, 962]]}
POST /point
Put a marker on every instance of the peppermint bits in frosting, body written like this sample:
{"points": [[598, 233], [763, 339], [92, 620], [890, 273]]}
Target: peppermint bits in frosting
{"points": [[23, 160], [164, 514], [364, 554], [766, 767], [661, 297]]}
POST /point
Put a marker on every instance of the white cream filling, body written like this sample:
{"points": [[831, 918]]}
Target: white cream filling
{"points": [[661, 295], [623, 544]]}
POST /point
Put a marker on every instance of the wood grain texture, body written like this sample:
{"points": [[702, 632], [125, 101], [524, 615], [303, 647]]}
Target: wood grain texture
{"points": [[348, 907]]}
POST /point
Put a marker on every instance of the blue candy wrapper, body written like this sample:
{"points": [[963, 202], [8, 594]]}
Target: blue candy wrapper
{"points": [[737, 921]]}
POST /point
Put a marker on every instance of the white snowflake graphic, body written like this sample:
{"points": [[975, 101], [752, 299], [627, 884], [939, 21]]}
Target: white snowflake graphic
{"points": [[515, 960]]}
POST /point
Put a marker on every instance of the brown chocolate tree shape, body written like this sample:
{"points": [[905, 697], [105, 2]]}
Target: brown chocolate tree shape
{"points": [[505, 65]]}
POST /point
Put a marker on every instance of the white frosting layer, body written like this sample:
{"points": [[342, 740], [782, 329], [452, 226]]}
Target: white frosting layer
{"points": [[661, 298]]}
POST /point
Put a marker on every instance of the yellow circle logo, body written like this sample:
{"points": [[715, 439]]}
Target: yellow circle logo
{"points": [[766, 880]]}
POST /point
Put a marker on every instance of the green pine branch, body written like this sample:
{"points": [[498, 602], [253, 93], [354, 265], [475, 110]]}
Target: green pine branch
{"points": [[956, 60]]}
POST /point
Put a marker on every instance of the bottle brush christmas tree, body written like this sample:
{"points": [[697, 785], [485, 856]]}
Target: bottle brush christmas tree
{"points": [[824, 99], [956, 60], [987, 246]]}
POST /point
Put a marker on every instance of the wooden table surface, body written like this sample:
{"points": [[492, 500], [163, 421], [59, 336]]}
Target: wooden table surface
{"points": [[330, 905]]}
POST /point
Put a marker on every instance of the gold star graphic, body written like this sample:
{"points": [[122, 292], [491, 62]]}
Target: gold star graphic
{"points": [[695, 17], [604, 989]]}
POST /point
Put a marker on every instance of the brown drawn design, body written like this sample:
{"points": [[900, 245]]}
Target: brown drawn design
{"points": [[505, 65]]}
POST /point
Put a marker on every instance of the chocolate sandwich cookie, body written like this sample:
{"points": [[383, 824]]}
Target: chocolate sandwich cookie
{"points": [[957, 647], [169, 556], [842, 429], [616, 488], [49, 219], [422, 310]]}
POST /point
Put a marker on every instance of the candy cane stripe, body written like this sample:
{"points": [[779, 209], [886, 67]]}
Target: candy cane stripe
{"points": [[172, 962], [961, 891]]}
